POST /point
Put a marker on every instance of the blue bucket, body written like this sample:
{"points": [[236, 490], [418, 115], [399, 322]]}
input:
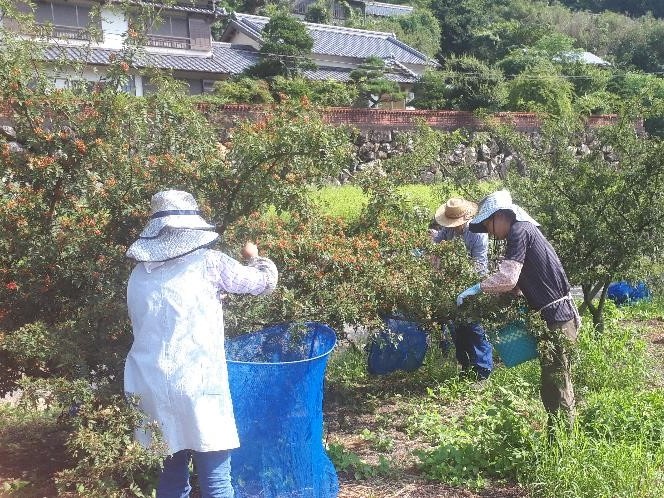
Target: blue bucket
{"points": [[515, 344]]}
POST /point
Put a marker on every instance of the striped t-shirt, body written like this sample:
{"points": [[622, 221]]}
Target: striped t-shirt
{"points": [[542, 279]]}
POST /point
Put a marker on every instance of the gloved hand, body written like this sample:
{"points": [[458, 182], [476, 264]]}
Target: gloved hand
{"points": [[470, 291]]}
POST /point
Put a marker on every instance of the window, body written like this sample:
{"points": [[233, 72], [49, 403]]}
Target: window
{"points": [[68, 21], [170, 32], [170, 26], [73, 16]]}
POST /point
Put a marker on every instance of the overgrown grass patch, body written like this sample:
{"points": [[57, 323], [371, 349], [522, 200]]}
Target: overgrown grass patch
{"points": [[474, 434]]}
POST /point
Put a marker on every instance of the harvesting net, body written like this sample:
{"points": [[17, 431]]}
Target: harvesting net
{"points": [[625, 293], [276, 378], [401, 347]]}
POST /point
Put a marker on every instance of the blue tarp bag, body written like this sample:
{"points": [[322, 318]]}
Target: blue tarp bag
{"points": [[401, 347], [276, 378], [623, 292]]}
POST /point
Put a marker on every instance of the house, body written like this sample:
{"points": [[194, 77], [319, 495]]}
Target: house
{"points": [[338, 50], [181, 41], [182, 44]]}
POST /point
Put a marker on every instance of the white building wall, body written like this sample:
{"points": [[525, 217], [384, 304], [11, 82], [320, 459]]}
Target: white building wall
{"points": [[114, 26]]}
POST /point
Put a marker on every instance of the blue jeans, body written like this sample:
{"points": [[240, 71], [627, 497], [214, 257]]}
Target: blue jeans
{"points": [[214, 474], [473, 350]]}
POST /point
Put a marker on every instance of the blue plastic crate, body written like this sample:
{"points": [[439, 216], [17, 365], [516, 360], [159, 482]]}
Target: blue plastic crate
{"points": [[515, 344]]}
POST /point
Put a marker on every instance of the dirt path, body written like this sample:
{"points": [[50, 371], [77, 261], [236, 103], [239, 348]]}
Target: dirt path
{"points": [[31, 452]]}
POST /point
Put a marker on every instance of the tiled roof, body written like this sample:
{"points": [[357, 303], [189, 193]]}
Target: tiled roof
{"points": [[386, 9], [341, 74], [102, 57], [226, 59], [181, 6], [344, 42]]}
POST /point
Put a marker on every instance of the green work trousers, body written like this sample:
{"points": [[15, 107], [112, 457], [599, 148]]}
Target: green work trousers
{"points": [[556, 387]]}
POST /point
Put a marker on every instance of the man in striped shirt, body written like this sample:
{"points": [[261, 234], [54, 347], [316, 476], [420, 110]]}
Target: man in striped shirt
{"points": [[532, 267]]}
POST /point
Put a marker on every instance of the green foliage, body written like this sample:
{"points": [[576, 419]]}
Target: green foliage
{"points": [[631, 7], [494, 439], [285, 50], [318, 12], [467, 26], [612, 415], [243, 90], [541, 89], [618, 349], [328, 93], [464, 84], [372, 85], [603, 214], [420, 29], [348, 462], [583, 466]]}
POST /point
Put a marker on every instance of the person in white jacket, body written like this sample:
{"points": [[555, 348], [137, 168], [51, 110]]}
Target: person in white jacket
{"points": [[176, 368]]}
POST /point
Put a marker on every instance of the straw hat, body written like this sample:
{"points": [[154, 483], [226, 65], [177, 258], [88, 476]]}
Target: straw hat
{"points": [[492, 203], [175, 228], [455, 212]]}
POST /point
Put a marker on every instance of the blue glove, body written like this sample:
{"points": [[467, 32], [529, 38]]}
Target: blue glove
{"points": [[470, 291]]}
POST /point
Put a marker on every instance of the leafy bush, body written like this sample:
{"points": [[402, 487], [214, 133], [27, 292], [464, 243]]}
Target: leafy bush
{"points": [[465, 84], [243, 91], [541, 89], [76, 195], [327, 93]]}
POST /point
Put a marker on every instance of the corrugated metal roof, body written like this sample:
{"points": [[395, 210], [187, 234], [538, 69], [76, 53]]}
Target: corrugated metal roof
{"points": [[346, 42], [387, 9]]}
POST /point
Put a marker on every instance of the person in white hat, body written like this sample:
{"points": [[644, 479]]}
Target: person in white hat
{"points": [[532, 267], [176, 368], [473, 351]]}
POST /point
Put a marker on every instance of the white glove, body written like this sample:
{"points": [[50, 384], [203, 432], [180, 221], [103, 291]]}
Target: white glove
{"points": [[470, 291]]}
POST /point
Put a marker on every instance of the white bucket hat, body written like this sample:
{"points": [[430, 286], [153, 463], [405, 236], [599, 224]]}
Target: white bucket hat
{"points": [[492, 203], [175, 228]]}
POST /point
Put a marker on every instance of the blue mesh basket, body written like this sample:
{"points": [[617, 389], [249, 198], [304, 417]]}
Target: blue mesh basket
{"points": [[276, 378], [515, 344]]}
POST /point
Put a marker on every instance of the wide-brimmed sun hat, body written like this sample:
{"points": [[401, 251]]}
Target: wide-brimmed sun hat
{"points": [[491, 204], [175, 228], [455, 212]]}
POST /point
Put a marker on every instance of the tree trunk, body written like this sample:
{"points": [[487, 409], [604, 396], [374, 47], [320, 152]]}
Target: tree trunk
{"points": [[596, 310]]}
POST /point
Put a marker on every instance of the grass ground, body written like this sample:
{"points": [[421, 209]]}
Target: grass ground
{"points": [[376, 427]]}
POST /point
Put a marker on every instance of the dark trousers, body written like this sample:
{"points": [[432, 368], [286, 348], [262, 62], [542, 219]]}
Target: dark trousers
{"points": [[473, 351]]}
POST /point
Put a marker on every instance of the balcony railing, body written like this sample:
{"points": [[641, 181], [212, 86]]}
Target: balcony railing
{"points": [[168, 41], [68, 32]]}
